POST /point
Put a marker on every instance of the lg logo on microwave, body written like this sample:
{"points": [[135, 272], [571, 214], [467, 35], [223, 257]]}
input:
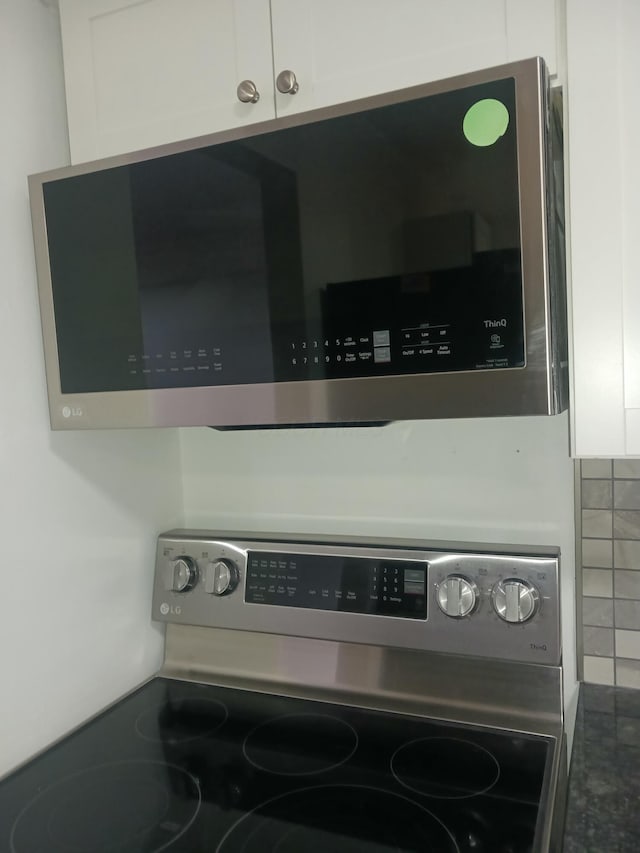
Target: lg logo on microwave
{"points": [[495, 324], [72, 411]]}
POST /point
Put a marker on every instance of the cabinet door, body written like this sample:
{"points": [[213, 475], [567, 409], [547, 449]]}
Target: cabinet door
{"points": [[153, 71], [627, 89], [603, 68], [344, 50]]}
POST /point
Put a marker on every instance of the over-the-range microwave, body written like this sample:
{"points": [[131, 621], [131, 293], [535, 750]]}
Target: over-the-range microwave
{"points": [[396, 257]]}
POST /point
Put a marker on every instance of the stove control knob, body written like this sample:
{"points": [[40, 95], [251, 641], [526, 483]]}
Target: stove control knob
{"points": [[183, 574], [221, 577], [515, 600], [457, 596]]}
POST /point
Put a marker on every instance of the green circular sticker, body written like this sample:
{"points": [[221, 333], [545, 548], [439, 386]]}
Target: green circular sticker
{"points": [[485, 122]]}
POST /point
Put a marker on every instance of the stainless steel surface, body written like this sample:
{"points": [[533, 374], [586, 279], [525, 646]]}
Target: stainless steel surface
{"points": [[555, 813], [538, 388], [463, 689], [247, 92], [482, 633], [183, 574], [221, 577], [515, 600], [376, 668], [457, 596], [286, 83]]}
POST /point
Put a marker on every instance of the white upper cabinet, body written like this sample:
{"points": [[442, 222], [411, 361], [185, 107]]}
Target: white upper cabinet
{"points": [[143, 73], [344, 50], [139, 74], [603, 141]]}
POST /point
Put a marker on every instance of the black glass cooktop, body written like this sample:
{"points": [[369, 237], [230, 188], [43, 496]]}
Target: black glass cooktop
{"points": [[190, 768]]}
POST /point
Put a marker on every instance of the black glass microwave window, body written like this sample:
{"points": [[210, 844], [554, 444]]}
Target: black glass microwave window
{"points": [[384, 242]]}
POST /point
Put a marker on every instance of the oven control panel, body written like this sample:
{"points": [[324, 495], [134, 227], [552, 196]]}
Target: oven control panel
{"points": [[338, 583], [493, 601]]}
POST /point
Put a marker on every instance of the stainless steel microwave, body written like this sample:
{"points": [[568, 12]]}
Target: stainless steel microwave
{"points": [[396, 257]]}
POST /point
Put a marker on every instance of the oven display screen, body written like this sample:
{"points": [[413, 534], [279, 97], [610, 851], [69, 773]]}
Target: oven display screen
{"points": [[348, 584]]}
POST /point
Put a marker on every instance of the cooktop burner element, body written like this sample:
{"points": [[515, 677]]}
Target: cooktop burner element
{"points": [[345, 818], [126, 805], [300, 744], [187, 718], [271, 774], [447, 768]]}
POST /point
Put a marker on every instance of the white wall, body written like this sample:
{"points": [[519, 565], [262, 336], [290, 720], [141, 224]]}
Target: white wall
{"points": [[78, 511], [490, 480]]}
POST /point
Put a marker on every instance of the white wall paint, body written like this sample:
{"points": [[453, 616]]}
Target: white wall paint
{"points": [[78, 511], [491, 480]]}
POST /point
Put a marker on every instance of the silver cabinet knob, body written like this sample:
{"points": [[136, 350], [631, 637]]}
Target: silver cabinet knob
{"points": [[183, 574], [515, 600], [247, 92], [220, 577], [457, 596], [286, 83]]}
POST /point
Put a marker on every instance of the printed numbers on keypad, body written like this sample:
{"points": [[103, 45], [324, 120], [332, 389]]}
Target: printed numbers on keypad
{"points": [[323, 351]]}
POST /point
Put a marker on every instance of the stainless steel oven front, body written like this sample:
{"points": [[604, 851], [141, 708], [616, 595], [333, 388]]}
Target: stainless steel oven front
{"points": [[453, 649], [322, 694]]}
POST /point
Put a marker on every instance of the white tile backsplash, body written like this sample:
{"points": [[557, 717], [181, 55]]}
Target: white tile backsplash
{"points": [[626, 554], [597, 523], [597, 582], [627, 673], [597, 553], [625, 468], [599, 670], [627, 584], [596, 469], [628, 644]]}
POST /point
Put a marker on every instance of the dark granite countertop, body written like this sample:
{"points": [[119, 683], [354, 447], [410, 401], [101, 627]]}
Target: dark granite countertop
{"points": [[603, 812]]}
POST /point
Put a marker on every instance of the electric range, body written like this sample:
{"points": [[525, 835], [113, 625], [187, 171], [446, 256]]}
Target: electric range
{"points": [[321, 695]]}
